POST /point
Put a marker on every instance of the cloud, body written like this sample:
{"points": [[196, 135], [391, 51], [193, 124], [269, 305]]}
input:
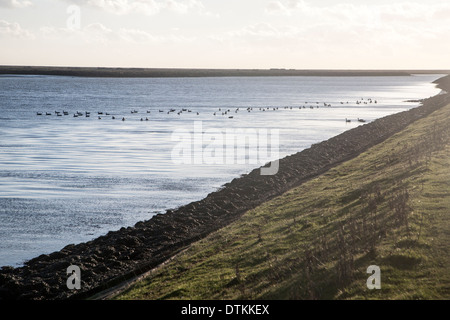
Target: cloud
{"points": [[276, 7], [393, 24], [15, 3], [256, 30], [92, 33], [137, 36], [146, 7], [13, 29], [97, 32], [393, 12], [100, 34], [288, 7], [121, 7], [184, 7], [340, 34]]}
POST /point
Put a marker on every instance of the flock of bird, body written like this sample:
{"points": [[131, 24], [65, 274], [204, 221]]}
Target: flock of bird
{"points": [[220, 111]]}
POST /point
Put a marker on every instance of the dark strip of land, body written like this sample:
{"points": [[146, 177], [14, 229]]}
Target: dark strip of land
{"points": [[123, 254], [167, 73]]}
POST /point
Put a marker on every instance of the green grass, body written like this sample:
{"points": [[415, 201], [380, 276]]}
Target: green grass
{"points": [[387, 207]]}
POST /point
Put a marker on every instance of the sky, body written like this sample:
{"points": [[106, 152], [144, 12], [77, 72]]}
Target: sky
{"points": [[244, 34]]}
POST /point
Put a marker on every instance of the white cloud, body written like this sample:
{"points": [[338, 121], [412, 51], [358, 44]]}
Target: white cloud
{"points": [[100, 34], [276, 7], [135, 35], [340, 35], [393, 12], [121, 7], [369, 25], [92, 33], [97, 32], [288, 7], [15, 3], [147, 7], [256, 30], [184, 7], [143, 37], [13, 29]]}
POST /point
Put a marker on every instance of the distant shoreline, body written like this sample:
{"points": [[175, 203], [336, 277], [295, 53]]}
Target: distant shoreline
{"points": [[179, 72]]}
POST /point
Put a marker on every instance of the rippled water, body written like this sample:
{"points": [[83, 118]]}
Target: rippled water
{"points": [[66, 179]]}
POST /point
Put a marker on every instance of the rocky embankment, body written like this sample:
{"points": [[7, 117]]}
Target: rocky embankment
{"points": [[120, 255]]}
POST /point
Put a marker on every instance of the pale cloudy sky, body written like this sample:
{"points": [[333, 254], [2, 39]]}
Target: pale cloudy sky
{"points": [[300, 34]]}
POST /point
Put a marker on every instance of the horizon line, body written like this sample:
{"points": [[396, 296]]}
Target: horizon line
{"points": [[135, 72], [212, 68]]}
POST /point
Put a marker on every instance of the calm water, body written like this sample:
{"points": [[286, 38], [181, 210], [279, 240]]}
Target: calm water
{"points": [[66, 179]]}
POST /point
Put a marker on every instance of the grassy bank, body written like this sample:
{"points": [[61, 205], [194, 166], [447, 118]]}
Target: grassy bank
{"points": [[387, 207]]}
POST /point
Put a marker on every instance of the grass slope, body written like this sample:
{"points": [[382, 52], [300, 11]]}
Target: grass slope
{"points": [[388, 207]]}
